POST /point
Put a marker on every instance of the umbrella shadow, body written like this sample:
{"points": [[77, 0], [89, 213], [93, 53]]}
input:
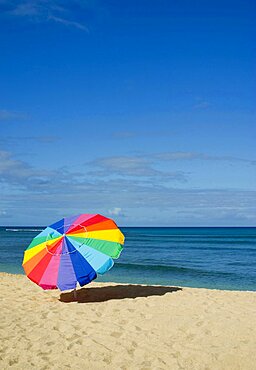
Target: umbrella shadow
{"points": [[107, 293]]}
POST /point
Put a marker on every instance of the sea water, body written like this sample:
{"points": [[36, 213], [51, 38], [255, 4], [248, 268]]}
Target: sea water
{"points": [[219, 258]]}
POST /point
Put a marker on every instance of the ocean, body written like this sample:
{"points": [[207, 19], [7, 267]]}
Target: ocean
{"points": [[214, 257]]}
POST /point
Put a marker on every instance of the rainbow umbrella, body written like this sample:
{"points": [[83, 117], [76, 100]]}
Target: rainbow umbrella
{"points": [[74, 249]]}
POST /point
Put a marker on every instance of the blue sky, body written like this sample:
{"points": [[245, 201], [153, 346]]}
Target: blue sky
{"points": [[143, 111]]}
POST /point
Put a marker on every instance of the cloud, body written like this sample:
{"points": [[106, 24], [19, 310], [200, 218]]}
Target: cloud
{"points": [[144, 204], [141, 134], [20, 175], [41, 11], [174, 156], [131, 166], [11, 169], [68, 23], [124, 165], [116, 211], [44, 139], [152, 165], [36, 196], [135, 171], [7, 115]]}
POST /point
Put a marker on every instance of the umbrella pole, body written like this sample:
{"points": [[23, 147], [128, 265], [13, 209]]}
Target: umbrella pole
{"points": [[75, 294]]}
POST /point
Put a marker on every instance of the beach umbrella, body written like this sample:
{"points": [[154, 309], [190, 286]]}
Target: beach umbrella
{"points": [[73, 250]]}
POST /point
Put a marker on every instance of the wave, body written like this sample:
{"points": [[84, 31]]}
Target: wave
{"points": [[171, 268], [245, 247], [207, 236], [192, 238], [22, 230]]}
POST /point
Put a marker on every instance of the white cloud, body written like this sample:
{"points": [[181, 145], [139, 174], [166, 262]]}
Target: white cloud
{"points": [[21, 175], [144, 205], [116, 211], [36, 196], [141, 134], [174, 156], [133, 166], [66, 22], [47, 10], [11, 169], [151, 165]]}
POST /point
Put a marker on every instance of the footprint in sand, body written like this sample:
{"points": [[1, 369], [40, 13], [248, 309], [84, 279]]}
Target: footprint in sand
{"points": [[116, 334], [107, 360], [73, 337], [13, 361], [78, 342], [44, 315], [130, 351]]}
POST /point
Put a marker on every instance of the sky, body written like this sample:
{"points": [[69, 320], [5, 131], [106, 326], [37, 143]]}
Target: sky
{"points": [[143, 111]]}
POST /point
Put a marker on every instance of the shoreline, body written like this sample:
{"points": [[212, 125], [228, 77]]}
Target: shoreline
{"points": [[142, 284], [125, 326]]}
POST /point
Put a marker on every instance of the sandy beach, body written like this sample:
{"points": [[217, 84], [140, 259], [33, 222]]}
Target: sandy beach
{"points": [[119, 326]]}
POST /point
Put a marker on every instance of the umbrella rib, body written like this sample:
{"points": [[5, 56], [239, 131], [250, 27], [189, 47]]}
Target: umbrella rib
{"points": [[61, 254]]}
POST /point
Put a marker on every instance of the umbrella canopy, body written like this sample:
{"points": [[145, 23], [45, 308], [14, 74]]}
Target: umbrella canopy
{"points": [[74, 249]]}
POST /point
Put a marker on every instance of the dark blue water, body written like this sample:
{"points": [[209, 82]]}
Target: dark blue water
{"points": [[221, 258]]}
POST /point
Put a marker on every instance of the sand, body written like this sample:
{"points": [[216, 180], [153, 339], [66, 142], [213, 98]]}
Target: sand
{"points": [[118, 326]]}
